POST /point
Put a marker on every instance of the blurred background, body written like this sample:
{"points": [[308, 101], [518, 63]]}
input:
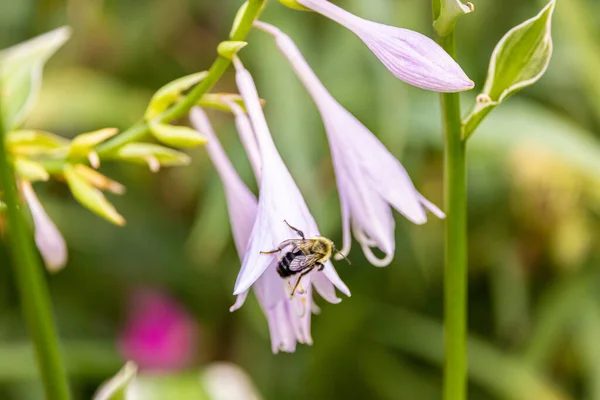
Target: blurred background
{"points": [[534, 196]]}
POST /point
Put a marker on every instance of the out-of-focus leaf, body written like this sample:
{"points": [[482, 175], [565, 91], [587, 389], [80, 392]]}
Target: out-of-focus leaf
{"points": [[116, 388], [177, 136], [30, 170], [505, 376], [160, 387], [168, 94], [519, 60], [21, 73], [90, 197], [76, 99], [153, 155], [33, 142], [2, 206], [523, 123], [588, 346]]}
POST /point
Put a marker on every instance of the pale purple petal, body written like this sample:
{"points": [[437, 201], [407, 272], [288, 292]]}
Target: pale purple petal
{"points": [[324, 287], [279, 200], [241, 202], [49, 241], [369, 178], [410, 56], [244, 128]]}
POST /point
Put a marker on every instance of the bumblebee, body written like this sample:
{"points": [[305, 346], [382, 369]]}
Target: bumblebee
{"points": [[304, 255]]}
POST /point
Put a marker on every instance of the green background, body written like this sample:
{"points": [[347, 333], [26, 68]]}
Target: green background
{"points": [[534, 195]]}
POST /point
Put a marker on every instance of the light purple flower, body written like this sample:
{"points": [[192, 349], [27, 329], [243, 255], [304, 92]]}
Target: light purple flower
{"points": [[279, 200], [370, 179], [160, 335], [288, 319], [48, 238], [410, 56]]}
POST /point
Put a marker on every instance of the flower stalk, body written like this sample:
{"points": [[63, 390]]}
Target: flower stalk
{"points": [[455, 265], [31, 285], [141, 129]]}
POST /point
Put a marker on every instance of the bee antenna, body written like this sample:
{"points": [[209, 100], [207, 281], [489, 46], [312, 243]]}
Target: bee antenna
{"points": [[343, 255]]}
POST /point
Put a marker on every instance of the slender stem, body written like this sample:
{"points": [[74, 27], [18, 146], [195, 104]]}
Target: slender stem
{"points": [[139, 130], [455, 198], [31, 285]]}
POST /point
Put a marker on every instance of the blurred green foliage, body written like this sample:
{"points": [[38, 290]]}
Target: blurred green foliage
{"points": [[534, 195]]}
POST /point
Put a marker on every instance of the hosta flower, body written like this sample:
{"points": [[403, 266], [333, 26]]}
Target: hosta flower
{"points": [[160, 335], [410, 56], [48, 238], [370, 179], [279, 200]]}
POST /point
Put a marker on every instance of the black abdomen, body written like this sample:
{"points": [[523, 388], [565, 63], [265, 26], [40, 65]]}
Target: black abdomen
{"points": [[283, 267]]}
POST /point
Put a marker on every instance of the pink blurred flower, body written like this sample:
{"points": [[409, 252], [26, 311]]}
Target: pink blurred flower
{"points": [[370, 179], [410, 56], [159, 334], [48, 238], [288, 317]]}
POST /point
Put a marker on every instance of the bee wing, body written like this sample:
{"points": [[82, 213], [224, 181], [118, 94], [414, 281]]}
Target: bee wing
{"points": [[303, 262]]}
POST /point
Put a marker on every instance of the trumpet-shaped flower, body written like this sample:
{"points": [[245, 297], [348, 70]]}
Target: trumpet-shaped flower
{"points": [[370, 179], [279, 200], [48, 238], [410, 56], [288, 318]]}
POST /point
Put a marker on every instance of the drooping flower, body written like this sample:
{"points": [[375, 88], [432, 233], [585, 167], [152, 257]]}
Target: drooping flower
{"points": [[370, 179], [288, 324], [48, 238], [279, 200], [410, 56], [160, 335]]}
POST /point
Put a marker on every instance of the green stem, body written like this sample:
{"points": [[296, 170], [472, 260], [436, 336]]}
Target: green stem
{"points": [[31, 285], [216, 71], [455, 198]]}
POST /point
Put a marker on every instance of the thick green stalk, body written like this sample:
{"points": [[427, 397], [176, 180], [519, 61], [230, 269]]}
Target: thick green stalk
{"points": [[31, 285], [455, 199], [216, 71]]}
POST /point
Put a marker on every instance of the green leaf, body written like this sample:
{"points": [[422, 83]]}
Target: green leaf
{"points": [[34, 142], [30, 170], [21, 73], [450, 12], [230, 48], [177, 136], [519, 60], [153, 155], [90, 197], [116, 387], [168, 94], [2, 206]]}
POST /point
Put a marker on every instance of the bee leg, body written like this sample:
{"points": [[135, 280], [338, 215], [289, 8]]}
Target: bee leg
{"points": [[270, 251], [298, 231], [299, 280], [320, 266]]}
